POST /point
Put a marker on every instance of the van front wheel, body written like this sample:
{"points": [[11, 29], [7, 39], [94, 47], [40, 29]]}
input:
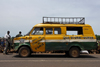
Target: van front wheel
{"points": [[24, 52], [74, 52]]}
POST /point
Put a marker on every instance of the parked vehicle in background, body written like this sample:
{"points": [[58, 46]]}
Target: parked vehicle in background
{"points": [[68, 34]]}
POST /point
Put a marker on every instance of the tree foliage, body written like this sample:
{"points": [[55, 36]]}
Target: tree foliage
{"points": [[98, 37]]}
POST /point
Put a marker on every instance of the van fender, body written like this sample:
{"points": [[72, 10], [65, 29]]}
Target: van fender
{"points": [[75, 44], [21, 45]]}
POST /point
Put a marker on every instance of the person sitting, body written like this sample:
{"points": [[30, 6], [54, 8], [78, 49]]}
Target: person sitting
{"points": [[18, 35]]}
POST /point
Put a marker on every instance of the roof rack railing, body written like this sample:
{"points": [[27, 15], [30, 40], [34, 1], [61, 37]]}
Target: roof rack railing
{"points": [[63, 20]]}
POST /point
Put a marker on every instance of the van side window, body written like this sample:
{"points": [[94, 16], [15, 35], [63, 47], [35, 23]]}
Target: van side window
{"points": [[57, 30], [49, 30], [38, 31], [74, 31]]}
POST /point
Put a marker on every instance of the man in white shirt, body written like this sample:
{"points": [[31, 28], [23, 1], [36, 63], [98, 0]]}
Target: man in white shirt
{"points": [[8, 39]]}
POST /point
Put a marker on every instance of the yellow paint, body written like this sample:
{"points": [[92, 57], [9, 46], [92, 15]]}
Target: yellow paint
{"points": [[36, 45]]}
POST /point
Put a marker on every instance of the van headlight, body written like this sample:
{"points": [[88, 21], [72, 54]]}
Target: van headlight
{"points": [[21, 40]]}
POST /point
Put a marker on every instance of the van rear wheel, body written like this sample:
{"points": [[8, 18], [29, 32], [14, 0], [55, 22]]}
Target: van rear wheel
{"points": [[24, 52], [74, 52]]}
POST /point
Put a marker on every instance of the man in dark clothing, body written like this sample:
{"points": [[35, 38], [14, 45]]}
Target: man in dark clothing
{"points": [[8, 41], [18, 35]]}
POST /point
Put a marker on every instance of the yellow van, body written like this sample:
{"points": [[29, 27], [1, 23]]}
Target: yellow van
{"points": [[68, 34]]}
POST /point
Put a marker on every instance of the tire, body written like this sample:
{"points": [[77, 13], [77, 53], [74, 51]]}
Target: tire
{"points": [[74, 52], [24, 52]]}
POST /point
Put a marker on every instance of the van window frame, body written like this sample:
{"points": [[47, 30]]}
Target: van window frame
{"points": [[52, 30], [37, 34], [60, 31], [75, 30]]}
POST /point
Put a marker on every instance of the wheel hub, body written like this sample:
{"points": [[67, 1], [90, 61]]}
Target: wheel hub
{"points": [[74, 53], [24, 52]]}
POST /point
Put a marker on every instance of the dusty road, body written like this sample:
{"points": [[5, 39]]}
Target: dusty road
{"points": [[49, 60]]}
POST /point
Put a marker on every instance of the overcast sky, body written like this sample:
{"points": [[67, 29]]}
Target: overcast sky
{"points": [[22, 15]]}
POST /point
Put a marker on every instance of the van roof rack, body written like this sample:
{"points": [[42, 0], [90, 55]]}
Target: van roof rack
{"points": [[63, 20]]}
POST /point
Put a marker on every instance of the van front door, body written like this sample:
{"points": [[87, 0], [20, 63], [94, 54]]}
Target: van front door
{"points": [[37, 39]]}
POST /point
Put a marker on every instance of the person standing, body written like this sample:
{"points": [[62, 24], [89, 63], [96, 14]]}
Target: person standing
{"points": [[18, 35], [8, 41]]}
